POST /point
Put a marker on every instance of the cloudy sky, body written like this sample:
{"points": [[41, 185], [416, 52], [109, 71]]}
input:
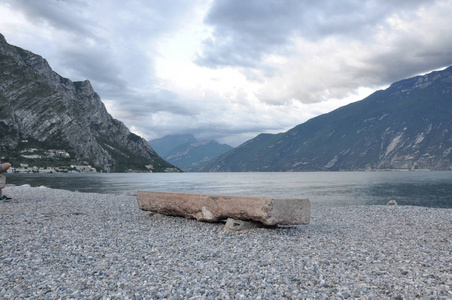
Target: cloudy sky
{"points": [[231, 69]]}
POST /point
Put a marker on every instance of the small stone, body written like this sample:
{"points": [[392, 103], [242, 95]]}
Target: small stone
{"points": [[392, 203], [129, 194], [240, 225]]}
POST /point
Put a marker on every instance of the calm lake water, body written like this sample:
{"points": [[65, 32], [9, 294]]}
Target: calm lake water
{"points": [[431, 189]]}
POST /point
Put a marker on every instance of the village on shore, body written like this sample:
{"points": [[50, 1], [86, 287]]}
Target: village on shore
{"points": [[31, 161], [25, 168]]}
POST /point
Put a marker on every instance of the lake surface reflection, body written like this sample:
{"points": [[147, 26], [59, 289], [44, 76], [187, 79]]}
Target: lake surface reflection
{"points": [[431, 189]]}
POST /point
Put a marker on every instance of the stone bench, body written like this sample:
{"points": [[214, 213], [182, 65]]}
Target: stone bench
{"points": [[214, 208]]}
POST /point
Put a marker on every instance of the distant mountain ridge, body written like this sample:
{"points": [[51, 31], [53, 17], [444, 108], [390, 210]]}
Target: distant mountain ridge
{"points": [[407, 126], [38, 107], [164, 145], [186, 152]]}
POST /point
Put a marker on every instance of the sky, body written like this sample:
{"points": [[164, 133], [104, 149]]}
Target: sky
{"points": [[229, 70]]}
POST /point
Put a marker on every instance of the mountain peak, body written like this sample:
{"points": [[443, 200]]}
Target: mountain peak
{"points": [[186, 152], [84, 87], [422, 81], [165, 144]]}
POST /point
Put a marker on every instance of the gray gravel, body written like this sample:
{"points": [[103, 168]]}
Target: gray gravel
{"points": [[56, 244]]}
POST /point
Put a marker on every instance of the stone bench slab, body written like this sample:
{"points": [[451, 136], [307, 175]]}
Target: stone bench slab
{"points": [[213, 208]]}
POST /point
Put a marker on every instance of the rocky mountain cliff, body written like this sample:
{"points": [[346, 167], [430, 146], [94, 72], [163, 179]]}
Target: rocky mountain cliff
{"points": [[407, 126], [186, 152], [41, 107]]}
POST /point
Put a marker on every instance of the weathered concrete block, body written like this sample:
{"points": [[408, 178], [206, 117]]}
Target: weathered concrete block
{"points": [[212, 208]]}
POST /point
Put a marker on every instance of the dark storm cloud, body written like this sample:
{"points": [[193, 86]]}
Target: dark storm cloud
{"points": [[64, 15], [73, 16], [244, 31]]}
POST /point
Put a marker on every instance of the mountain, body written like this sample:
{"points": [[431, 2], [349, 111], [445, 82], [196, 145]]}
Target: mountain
{"points": [[406, 126], [186, 152], [193, 156], [42, 110], [169, 142]]}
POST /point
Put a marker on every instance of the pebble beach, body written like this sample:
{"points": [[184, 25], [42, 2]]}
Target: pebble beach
{"points": [[57, 244]]}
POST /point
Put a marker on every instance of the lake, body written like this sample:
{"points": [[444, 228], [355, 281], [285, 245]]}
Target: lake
{"points": [[430, 189]]}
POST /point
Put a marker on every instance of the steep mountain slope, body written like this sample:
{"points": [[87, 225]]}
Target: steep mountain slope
{"points": [[407, 126], [187, 153], [48, 111]]}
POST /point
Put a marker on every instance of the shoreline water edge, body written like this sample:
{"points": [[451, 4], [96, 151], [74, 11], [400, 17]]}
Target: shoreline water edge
{"points": [[324, 189], [61, 244]]}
